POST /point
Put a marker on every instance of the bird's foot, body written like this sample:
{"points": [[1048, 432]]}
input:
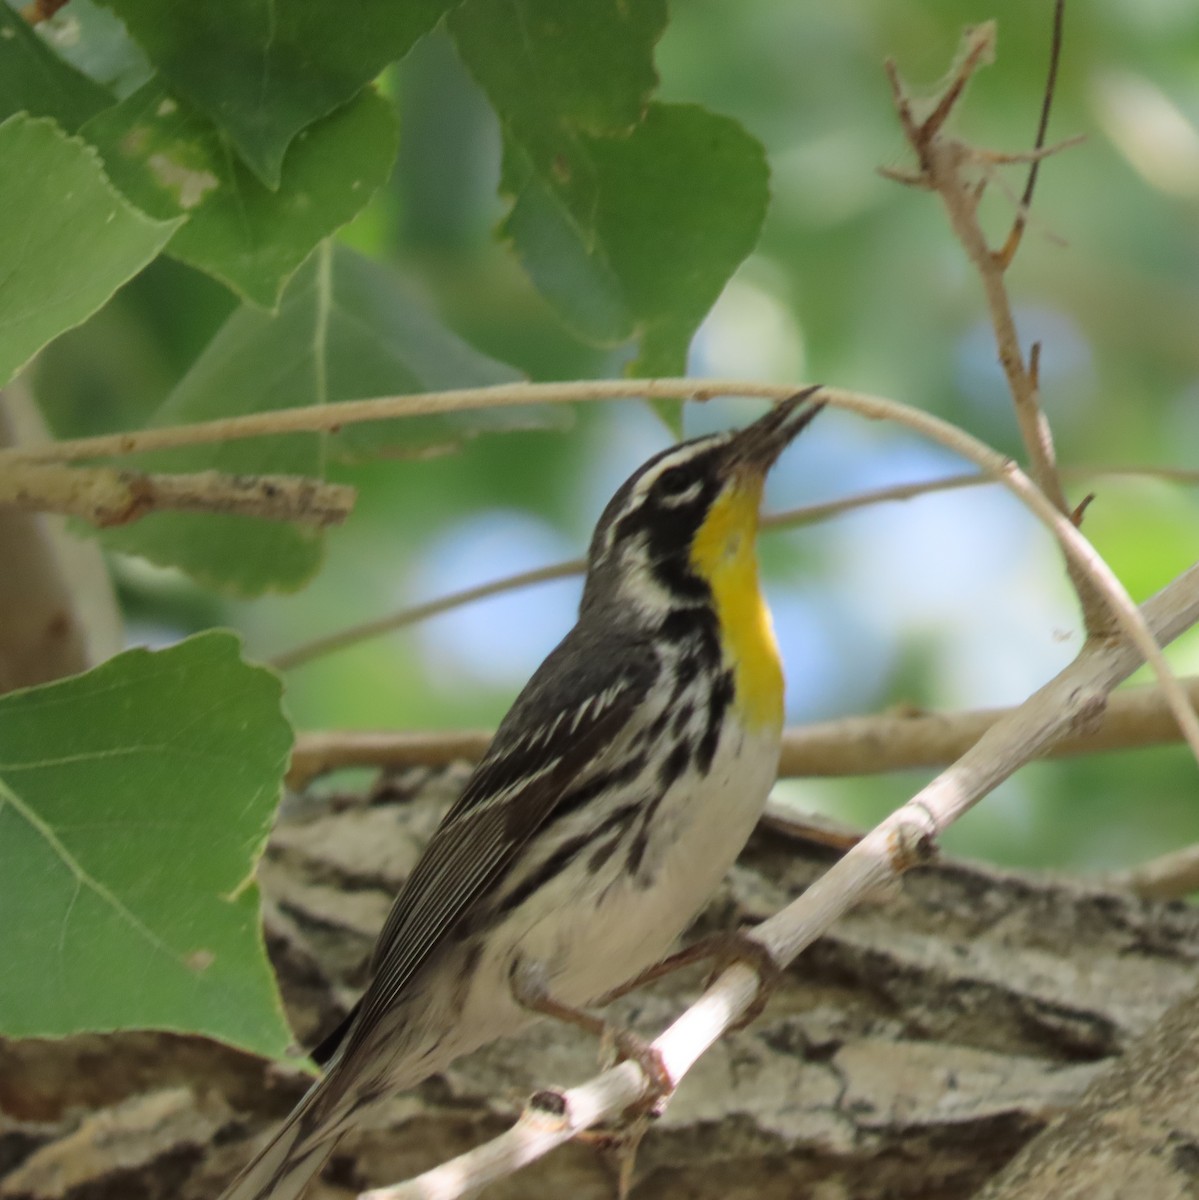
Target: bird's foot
{"points": [[742, 947]]}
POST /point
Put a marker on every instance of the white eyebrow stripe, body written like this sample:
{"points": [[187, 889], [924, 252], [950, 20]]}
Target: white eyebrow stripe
{"points": [[688, 494]]}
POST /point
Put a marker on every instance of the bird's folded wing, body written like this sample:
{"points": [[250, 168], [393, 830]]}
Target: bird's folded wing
{"points": [[512, 793]]}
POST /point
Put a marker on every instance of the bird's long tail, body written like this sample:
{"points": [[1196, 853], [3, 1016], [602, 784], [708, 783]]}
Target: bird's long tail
{"points": [[292, 1158]]}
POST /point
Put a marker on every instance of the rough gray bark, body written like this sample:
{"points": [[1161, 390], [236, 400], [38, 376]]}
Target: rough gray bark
{"points": [[1135, 1132], [910, 1053]]}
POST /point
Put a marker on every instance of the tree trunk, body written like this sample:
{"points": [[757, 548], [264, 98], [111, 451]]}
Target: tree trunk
{"points": [[911, 1053]]}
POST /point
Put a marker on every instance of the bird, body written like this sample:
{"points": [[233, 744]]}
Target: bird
{"points": [[617, 792]]}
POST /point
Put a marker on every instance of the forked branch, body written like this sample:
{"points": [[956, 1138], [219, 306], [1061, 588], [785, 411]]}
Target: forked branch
{"points": [[905, 839], [957, 172]]}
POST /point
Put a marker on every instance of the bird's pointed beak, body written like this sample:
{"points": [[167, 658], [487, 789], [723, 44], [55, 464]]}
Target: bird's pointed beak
{"points": [[757, 447]]}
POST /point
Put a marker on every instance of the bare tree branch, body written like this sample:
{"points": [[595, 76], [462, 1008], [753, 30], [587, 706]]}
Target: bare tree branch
{"points": [[106, 496], [1169, 877], [944, 163], [1073, 699], [1077, 549], [1133, 718], [43, 634], [807, 514], [354, 634]]}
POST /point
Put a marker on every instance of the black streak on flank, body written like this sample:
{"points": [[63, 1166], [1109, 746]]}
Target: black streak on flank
{"points": [[685, 674], [718, 703], [552, 866], [672, 767], [682, 719], [640, 842], [674, 764], [598, 784], [604, 851], [562, 857], [658, 728]]}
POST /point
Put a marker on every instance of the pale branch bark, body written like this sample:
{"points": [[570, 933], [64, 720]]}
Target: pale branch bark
{"points": [[1134, 717], [317, 417], [332, 417], [871, 868], [106, 496], [1134, 1133], [941, 162], [806, 514], [945, 167], [1168, 877], [317, 753], [913, 1050]]}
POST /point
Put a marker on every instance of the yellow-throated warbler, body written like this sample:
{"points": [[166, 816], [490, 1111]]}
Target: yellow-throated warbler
{"points": [[618, 791]]}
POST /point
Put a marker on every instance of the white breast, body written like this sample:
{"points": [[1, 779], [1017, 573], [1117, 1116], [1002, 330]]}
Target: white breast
{"points": [[590, 931], [592, 942]]}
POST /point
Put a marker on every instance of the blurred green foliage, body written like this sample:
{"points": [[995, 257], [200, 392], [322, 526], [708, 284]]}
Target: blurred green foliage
{"points": [[948, 601]]}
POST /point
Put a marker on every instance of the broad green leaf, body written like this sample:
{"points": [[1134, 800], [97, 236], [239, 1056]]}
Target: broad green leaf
{"points": [[33, 79], [134, 802], [646, 256], [556, 71], [347, 329], [68, 238], [171, 161], [554, 74], [264, 72], [629, 216], [675, 246]]}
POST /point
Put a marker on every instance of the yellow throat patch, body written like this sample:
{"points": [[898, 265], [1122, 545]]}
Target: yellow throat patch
{"points": [[724, 553]]}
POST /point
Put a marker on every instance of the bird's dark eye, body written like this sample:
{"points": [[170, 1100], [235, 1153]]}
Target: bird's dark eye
{"points": [[677, 486], [674, 480]]}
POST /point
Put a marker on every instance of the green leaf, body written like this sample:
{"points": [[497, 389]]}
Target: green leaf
{"points": [[171, 161], [134, 802], [555, 73], [674, 247], [629, 216], [68, 239], [33, 79], [346, 330], [96, 42], [264, 72]]}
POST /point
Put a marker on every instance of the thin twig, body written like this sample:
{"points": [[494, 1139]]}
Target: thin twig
{"points": [[1012, 244], [806, 514], [905, 839], [324, 418], [319, 752], [942, 162], [1134, 718], [354, 634], [105, 496], [1081, 556]]}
